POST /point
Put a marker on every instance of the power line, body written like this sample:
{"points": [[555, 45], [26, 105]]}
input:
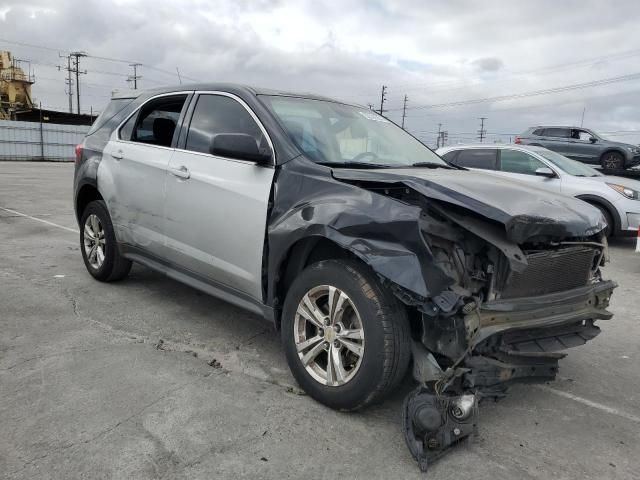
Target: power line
{"points": [[564, 88]]}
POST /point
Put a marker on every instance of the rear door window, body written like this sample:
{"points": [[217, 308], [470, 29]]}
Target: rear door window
{"points": [[156, 122], [485, 158], [515, 161], [216, 114], [556, 132]]}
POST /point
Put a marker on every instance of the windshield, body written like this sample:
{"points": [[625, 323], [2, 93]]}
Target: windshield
{"points": [[569, 166], [333, 133]]}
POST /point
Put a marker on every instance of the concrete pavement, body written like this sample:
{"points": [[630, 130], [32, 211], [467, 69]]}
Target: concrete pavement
{"points": [[114, 380]]}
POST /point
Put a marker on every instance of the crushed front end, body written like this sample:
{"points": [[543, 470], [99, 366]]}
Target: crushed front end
{"points": [[506, 317]]}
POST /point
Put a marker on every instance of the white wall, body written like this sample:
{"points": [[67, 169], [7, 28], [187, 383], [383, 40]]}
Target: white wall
{"points": [[22, 140]]}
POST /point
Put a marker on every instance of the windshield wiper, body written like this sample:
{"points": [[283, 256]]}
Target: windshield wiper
{"points": [[432, 165], [354, 165]]}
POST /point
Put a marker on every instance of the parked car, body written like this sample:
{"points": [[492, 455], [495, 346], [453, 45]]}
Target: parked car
{"points": [[583, 145], [359, 243], [617, 198]]}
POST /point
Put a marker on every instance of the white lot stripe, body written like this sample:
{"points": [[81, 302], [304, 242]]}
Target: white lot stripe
{"points": [[73, 230], [589, 403]]}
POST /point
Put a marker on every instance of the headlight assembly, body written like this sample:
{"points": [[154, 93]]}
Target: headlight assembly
{"points": [[630, 193]]}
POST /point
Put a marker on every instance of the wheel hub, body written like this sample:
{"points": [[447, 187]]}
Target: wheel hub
{"points": [[94, 241], [329, 335]]}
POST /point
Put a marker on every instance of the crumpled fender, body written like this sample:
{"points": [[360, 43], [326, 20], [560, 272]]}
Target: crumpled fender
{"points": [[381, 231]]}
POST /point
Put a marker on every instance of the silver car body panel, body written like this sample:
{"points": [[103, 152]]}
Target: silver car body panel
{"points": [[219, 192], [179, 219], [628, 210]]}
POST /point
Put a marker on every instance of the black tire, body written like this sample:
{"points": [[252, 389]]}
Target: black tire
{"points": [[612, 161], [387, 347], [115, 266], [608, 217]]}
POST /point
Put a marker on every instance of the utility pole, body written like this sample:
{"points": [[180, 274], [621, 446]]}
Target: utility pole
{"points": [[482, 132], [76, 69], [179, 77], [68, 81], [439, 135], [383, 97], [582, 120], [135, 77], [404, 110]]}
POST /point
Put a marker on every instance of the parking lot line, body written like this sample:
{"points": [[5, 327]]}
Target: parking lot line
{"points": [[589, 403], [73, 230]]}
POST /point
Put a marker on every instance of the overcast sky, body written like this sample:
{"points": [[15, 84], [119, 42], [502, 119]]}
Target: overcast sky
{"points": [[435, 52]]}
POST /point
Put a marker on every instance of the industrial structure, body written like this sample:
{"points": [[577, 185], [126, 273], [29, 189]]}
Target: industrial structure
{"points": [[15, 87]]}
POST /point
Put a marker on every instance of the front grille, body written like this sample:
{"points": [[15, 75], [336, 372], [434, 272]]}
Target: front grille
{"points": [[552, 271]]}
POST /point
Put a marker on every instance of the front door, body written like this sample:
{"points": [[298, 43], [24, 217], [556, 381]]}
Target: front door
{"points": [[216, 207], [582, 148], [521, 166]]}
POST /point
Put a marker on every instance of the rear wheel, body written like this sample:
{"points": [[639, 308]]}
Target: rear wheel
{"points": [[346, 338], [98, 244], [612, 161]]}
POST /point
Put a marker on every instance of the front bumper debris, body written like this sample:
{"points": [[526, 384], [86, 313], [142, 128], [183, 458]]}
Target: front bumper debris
{"points": [[480, 353]]}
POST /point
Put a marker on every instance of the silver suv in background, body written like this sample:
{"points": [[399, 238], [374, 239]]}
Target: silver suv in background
{"points": [[583, 145], [617, 198]]}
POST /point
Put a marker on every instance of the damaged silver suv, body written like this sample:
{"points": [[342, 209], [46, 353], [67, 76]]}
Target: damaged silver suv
{"points": [[365, 249]]}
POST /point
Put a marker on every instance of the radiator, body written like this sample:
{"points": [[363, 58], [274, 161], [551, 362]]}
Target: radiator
{"points": [[552, 271]]}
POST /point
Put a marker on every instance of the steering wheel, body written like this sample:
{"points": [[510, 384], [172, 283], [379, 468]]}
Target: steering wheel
{"points": [[365, 154]]}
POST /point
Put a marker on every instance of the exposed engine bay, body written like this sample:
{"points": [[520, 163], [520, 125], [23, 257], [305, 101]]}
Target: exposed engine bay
{"points": [[503, 320]]}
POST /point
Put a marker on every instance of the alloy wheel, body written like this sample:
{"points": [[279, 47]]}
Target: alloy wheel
{"points": [[94, 241], [329, 336]]}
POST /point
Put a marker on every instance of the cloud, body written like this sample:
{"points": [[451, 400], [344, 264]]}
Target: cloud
{"points": [[435, 52], [488, 64]]}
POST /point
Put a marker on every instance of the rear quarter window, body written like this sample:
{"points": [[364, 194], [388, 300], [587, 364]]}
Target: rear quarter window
{"points": [[113, 109], [484, 158]]}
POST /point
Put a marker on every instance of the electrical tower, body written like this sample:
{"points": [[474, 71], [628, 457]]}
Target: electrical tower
{"points": [[404, 109], [383, 97], [135, 77], [482, 132], [75, 68]]}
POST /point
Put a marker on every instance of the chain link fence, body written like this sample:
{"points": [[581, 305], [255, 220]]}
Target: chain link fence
{"points": [[38, 141]]}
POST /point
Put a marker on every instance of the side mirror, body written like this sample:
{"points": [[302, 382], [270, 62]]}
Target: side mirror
{"points": [[593, 139], [239, 146], [545, 172]]}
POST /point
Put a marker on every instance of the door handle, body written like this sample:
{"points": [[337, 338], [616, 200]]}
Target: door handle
{"points": [[181, 172], [118, 155]]}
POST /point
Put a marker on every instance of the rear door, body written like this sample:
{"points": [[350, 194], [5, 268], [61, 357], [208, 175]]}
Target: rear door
{"points": [[556, 139], [522, 166], [133, 168], [216, 207], [481, 158]]}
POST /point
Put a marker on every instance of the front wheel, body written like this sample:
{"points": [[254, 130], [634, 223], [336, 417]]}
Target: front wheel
{"points": [[612, 161], [346, 338]]}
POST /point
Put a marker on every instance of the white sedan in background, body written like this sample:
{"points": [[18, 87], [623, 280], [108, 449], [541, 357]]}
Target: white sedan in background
{"points": [[618, 198]]}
